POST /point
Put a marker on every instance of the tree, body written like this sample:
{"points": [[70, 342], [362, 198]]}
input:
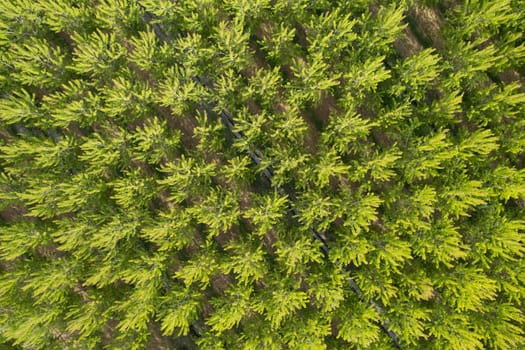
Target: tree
{"points": [[219, 211], [267, 212], [85, 319], [311, 80], [133, 191], [499, 326], [248, 262], [429, 154], [18, 107], [415, 73], [344, 132], [209, 133], [230, 311], [97, 54], [326, 168], [314, 208], [36, 63], [380, 31], [127, 99], [120, 15], [170, 230], [185, 175], [179, 91], [364, 78], [441, 244], [232, 44], [179, 308], [200, 268], [263, 86], [154, 142], [408, 321], [452, 330], [466, 288], [358, 324], [279, 45], [280, 301], [63, 16], [235, 175], [331, 34], [327, 289], [308, 333], [76, 103], [297, 255]]}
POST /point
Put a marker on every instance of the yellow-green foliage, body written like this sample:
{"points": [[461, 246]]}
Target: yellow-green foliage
{"points": [[256, 174]]}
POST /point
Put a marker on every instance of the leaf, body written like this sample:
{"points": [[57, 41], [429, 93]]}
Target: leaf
{"points": [[463, 196], [467, 288], [97, 54], [19, 107], [199, 269], [247, 263], [231, 310], [297, 255], [344, 131], [180, 308], [442, 244], [358, 325], [219, 211]]}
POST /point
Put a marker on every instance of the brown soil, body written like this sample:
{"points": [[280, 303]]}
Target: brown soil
{"points": [[427, 24], [300, 32], [220, 283], [408, 44], [263, 31], [326, 106], [5, 136], [13, 214], [185, 123], [511, 75], [157, 341], [50, 251], [108, 332]]}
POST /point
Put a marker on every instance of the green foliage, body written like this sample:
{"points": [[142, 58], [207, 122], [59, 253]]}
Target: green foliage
{"points": [[297, 256], [327, 289], [365, 78], [98, 54], [344, 132], [267, 212], [38, 64], [169, 230], [68, 17], [229, 311], [179, 91], [416, 73], [442, 244], [383, 29], [312, 79], [247, 263], [180, 307], [155, 143], [255, 174], [219, 211], [279, 43], [200, 268], [232, 44], [331, 33], [127, 99], [358, 325], [280, 302], [185, 175], [19, 107]]}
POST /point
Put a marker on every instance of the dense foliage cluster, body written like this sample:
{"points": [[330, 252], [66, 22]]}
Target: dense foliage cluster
{"points": [[262, 174]]}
